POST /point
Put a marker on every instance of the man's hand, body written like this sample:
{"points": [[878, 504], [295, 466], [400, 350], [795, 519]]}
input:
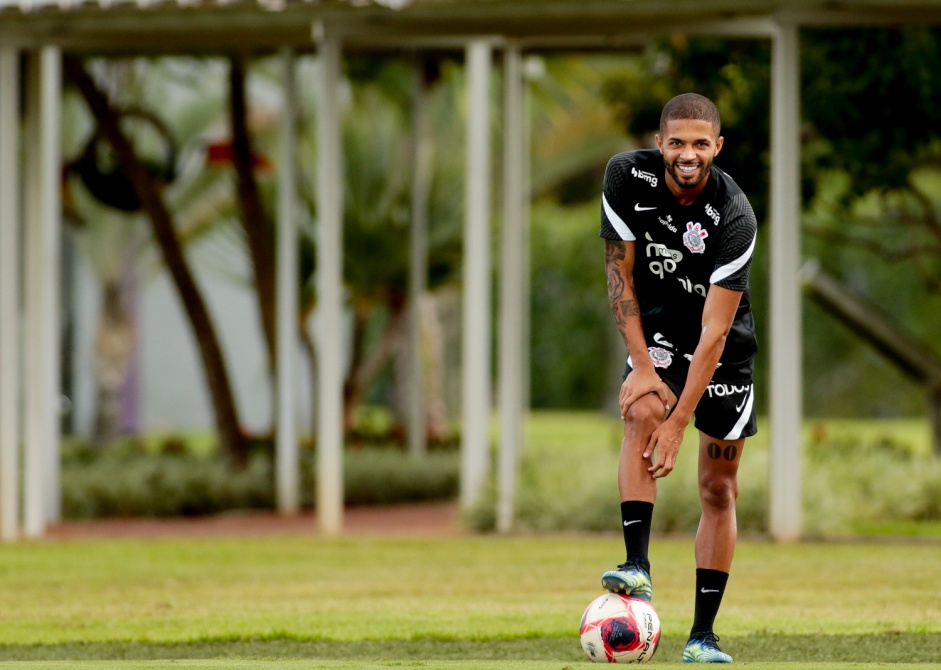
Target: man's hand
{"points": [[665, 442], [637, 385]]}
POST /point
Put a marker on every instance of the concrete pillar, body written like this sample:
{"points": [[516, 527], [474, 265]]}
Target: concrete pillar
{"points": [[785, 313]]}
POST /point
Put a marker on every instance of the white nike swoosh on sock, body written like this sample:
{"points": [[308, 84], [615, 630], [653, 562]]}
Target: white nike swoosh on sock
{"points": [[628, 523], [709, 590]]}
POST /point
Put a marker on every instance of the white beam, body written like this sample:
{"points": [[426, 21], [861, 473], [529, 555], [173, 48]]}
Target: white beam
{"points": [[288, 480], [531, 68], [785, 301], [418, 263], [43, 219], [50, 147], [9, 294], [34, 516], [476, 352], [330, 354], [513, 312]]}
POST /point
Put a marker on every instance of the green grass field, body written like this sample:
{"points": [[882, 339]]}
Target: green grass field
{"points": [[470, 602], [480, 601]]}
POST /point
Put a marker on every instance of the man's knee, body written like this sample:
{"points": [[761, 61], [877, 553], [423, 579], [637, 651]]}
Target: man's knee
{"points": [[645, 414], [718, 491]]}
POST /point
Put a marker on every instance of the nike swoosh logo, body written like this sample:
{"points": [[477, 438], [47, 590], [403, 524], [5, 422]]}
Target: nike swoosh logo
{"points": [[638, 208], [738, 408], [709, 590], [628, 523]]}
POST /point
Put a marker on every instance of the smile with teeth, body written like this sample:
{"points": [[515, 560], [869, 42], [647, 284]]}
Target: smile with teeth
{"points": [[687, 169]]}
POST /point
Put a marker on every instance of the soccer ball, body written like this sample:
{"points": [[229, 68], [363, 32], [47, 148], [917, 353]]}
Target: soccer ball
{"points": [[619, 629]]}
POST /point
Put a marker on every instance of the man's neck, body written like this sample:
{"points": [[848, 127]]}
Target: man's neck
{"points": [[685, 196]]}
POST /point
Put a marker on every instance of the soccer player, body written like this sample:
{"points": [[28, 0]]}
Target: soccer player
{"points": [[679, 236]]}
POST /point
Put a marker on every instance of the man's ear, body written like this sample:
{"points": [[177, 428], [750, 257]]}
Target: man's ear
{"points": [[719, 142]]}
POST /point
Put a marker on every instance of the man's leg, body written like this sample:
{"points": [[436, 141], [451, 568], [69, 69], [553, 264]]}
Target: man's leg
{"points": [[715, 542], [638, 491]]}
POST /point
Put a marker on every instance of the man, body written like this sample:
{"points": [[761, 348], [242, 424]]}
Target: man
{"points": [[679, 236]]}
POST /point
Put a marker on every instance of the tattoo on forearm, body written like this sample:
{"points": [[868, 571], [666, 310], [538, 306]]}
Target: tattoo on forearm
{"points": [[613, 251], [630, 308], [615, 286], [623, 305]]}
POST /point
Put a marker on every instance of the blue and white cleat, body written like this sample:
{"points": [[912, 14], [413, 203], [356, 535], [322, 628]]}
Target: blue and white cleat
{"points": [[704, 648], [631, 578]]}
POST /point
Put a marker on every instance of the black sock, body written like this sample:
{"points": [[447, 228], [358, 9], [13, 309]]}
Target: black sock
{"points": [[636, 516], [710, 587]]}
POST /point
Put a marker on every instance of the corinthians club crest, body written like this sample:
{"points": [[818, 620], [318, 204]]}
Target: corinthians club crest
{"points": [[660, 357], [694, 236]]}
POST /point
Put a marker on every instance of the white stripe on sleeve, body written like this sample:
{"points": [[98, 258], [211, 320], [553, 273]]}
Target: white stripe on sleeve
{"points": [[617, 222], [730, 269]]}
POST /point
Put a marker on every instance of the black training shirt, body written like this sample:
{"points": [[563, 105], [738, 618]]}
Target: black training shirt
{"points": [[679, 252]]}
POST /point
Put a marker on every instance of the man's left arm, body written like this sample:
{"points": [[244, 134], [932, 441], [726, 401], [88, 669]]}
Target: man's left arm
{"points": [[718, 315], [727, 283]]}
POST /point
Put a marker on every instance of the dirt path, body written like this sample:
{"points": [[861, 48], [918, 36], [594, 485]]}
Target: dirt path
{"points": [[434, 518]]}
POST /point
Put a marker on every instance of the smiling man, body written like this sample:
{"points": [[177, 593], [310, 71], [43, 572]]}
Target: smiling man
{"points": [[679, 236]]}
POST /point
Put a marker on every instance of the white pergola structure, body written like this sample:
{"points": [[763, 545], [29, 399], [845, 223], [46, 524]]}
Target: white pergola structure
{"points": [[30, 207]]}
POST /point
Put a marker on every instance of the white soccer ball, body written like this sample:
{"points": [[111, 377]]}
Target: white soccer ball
{"points": [[619, 629]]}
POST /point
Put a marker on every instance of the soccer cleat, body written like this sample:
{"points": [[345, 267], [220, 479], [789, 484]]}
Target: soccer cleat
{"points": [[632, 578], [704, 648]]}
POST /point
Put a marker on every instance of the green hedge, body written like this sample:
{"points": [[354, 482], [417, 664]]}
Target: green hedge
{"points": [[853, 481], [128, 480]]}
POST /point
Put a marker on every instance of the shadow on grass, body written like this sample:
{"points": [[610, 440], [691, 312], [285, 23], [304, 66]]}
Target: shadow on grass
{"points": [[885, 647]]}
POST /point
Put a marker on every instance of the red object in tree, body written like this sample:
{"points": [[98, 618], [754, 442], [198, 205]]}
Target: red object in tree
{"points": [[220, 153]]}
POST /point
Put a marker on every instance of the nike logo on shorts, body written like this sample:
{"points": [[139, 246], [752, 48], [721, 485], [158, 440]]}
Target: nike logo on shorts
{"points": [[738, 408]]}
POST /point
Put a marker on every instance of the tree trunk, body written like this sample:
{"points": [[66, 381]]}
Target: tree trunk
{"points": [[114, 344], [432, 377], [232, 440], [255, 223], [307, 342], [363, 368]]}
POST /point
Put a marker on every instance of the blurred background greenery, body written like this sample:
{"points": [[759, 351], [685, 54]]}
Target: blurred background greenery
{"points": [[871, 190]]}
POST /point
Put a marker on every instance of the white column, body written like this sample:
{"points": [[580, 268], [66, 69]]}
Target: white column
{"points": [[34, 419], [331, 355], [418, 264], [476, 354], [526, 334], [785, 312], [288, 480], [51, 59], [9, 294], [513, 312], [43, 217]]}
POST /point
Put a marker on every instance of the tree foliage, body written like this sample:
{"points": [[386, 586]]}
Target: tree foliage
{"points": [[871, 173], [377, 178], [870, 113]]}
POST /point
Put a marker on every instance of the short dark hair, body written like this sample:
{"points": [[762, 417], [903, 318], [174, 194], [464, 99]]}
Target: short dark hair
{"points": [[690, 106]]}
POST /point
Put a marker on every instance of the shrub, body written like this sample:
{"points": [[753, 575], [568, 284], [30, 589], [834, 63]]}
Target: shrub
{"points": [[130, 480], [848, 477]]}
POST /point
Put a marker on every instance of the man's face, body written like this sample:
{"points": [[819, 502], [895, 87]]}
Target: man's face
{"points": [[688, 147]]}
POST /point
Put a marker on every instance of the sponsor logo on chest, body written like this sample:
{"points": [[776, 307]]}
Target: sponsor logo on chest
{"points": [[713, 214], [648, 177], [663, 261]]}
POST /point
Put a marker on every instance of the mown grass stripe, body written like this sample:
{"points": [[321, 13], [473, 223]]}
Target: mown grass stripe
{"points": [[885, 648]]}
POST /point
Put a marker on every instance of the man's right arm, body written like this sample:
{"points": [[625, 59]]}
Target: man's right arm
{"points": [[619, 265]]}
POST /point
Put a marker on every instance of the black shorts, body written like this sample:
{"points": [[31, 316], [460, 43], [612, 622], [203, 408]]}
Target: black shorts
{"points": [[726, 410]]}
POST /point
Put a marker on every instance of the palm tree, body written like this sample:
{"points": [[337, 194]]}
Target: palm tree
{"points": [[150, 194]]}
